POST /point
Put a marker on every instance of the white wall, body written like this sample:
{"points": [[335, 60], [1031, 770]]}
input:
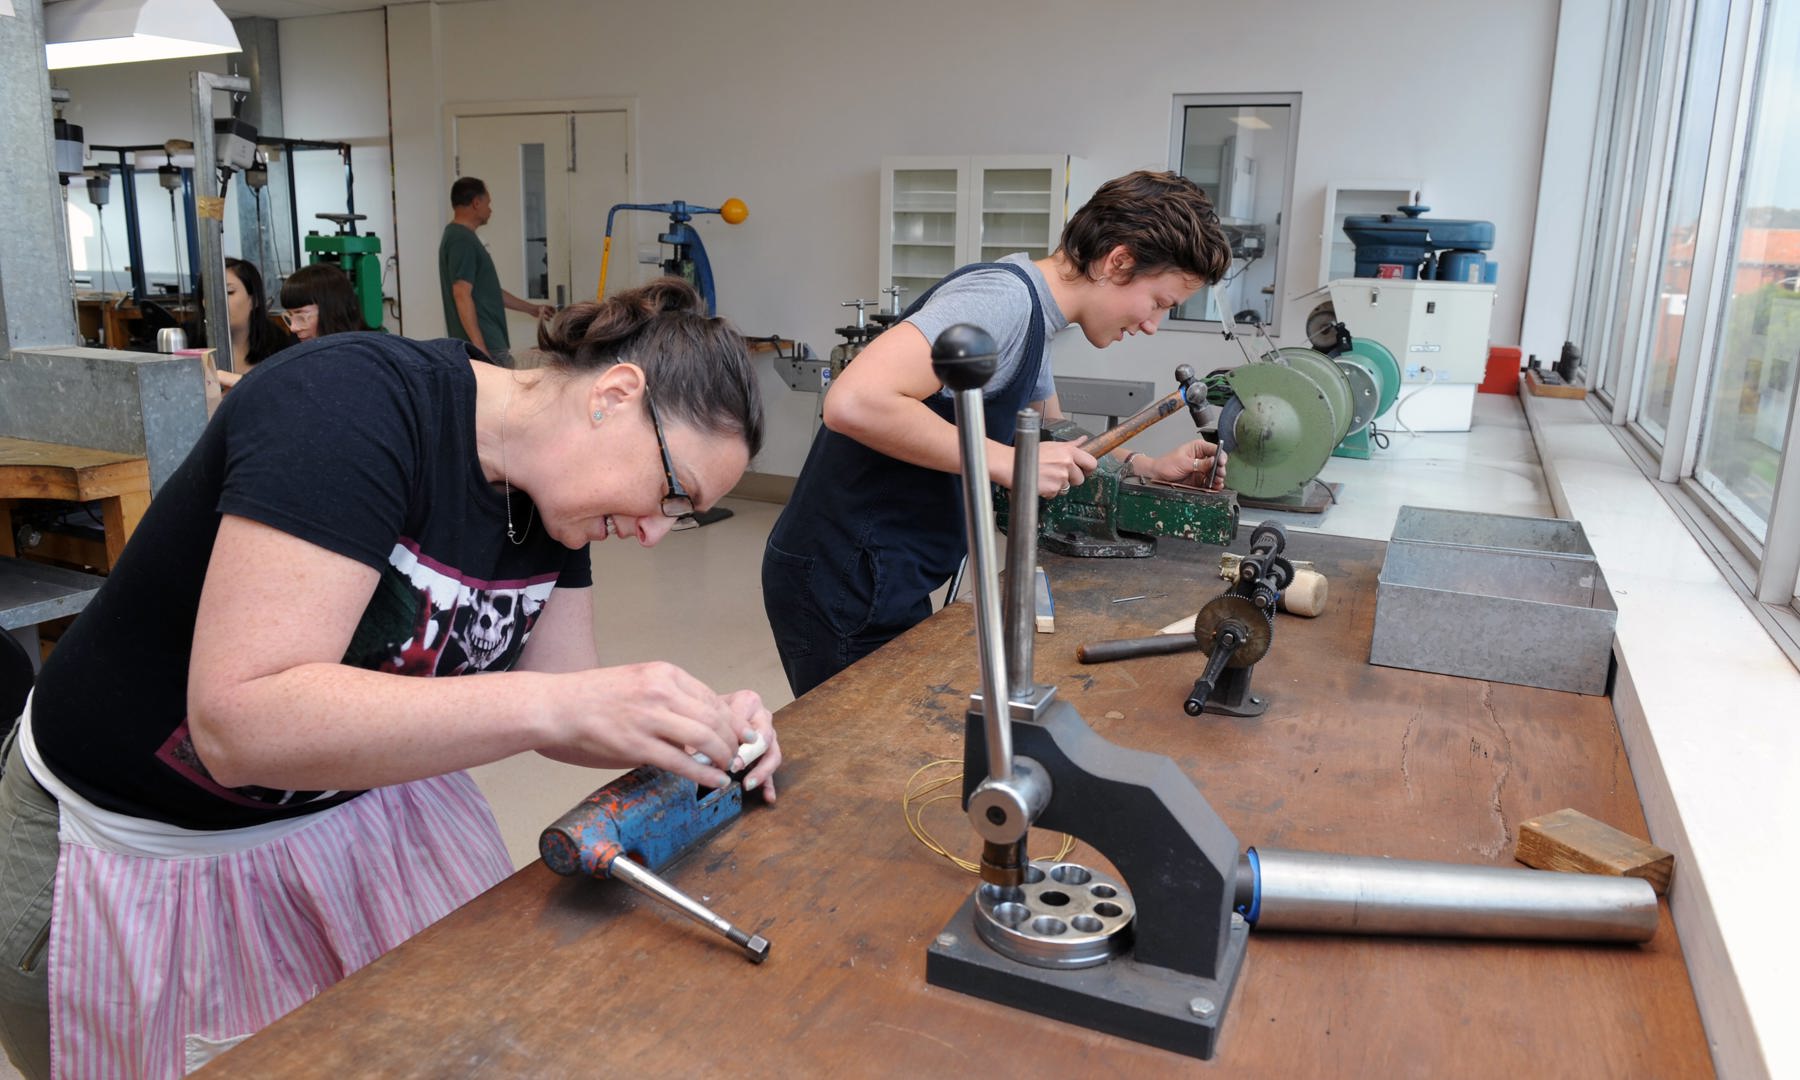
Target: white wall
{"points": [[790, 107]]}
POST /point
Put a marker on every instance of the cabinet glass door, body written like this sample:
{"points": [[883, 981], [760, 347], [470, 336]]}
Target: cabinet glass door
{"points": [[926, 211], [1020, 211]]}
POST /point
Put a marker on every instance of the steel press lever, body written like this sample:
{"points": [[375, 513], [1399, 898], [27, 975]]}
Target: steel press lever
{"points": [[1004, 805]]}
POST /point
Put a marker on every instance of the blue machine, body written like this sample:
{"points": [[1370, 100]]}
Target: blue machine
{"points": [[1417, 248], [689, 257]]}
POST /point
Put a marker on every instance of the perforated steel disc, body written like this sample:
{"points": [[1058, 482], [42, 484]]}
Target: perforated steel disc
{"points": [[1064, 916]]}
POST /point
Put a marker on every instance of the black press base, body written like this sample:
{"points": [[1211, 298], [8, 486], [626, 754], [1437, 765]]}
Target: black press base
{"points": [[1140, 1002]]}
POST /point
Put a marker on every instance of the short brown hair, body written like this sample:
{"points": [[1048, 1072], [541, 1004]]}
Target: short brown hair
{"points": [[1162, 218]]}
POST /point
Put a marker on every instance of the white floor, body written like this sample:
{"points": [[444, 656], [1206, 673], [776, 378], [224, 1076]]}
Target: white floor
{"points": [[697, 596]]}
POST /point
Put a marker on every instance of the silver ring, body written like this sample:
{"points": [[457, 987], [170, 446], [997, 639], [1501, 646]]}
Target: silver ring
{"points": [[1064, 491]]}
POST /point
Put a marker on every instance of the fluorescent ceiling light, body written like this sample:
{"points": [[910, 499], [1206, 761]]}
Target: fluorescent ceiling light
{"points": [[1250, 121], [83, 33]]}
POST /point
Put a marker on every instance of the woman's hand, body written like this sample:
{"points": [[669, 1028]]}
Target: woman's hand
{"points": [[652, 714], [1190, 463], [754, 719]]}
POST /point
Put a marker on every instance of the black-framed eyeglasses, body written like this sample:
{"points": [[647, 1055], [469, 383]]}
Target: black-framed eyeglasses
{"points": [[676, 502]]}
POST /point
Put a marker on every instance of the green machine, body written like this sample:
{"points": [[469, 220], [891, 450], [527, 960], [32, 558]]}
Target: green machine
{"points": [[358, 256], [1374, 377], [1291, 409]]}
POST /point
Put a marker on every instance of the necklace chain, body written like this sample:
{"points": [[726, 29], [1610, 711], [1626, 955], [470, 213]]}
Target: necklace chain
{"points": [[516, 538]]}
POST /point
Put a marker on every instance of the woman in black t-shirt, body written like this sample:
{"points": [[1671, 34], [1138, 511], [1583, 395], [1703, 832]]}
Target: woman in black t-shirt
{"points": [[246, 777]]}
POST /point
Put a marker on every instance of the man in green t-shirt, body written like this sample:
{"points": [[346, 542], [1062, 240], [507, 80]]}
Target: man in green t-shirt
{"points": [[475, 305]]}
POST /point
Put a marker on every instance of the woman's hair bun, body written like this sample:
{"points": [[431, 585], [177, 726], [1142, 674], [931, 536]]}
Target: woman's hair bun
{"points": [[602, 326]]}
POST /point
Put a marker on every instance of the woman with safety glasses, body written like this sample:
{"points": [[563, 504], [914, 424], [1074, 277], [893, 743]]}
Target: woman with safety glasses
{"points": [[249, 776], [317, 300]]}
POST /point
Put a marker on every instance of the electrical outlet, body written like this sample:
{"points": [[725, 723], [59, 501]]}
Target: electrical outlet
{"points": [[1414, 372]]}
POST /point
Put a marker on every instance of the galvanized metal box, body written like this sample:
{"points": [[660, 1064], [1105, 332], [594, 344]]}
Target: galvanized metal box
{"points": [[1491, 596]]}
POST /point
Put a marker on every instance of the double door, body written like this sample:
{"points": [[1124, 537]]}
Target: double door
{"points": [[552, 177], [939, 213]]}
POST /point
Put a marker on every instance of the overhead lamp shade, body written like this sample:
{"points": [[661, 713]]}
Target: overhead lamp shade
{"points": [[83, 33]]}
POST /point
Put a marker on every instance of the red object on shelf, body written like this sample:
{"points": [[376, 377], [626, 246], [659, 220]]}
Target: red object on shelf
{"points": [[1503, 366]]}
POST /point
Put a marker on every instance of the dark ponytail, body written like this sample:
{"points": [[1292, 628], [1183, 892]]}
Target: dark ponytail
{"points": [[697, 366]]}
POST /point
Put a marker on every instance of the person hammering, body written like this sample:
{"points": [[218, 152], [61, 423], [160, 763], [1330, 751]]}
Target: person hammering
{"points": [[874, 524]]}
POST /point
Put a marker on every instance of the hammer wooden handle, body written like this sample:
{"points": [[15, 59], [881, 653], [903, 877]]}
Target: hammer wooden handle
{"points": [[1099, 652], [1108, 441]]}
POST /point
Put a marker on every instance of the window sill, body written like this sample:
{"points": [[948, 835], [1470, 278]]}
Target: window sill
{"points": [[1708, 708]]}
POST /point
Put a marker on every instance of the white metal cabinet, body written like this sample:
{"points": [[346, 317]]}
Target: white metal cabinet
{"points": [[939, 213]]}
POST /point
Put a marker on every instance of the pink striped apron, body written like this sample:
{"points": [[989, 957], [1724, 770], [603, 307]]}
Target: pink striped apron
{"points": [[160, 961]]}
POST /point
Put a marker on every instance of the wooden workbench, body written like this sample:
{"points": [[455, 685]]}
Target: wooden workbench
{"points": [[544, 976], [40, 470]]}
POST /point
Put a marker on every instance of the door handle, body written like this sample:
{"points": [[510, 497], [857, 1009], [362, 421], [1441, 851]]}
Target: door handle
{"points": [[559, 295]]}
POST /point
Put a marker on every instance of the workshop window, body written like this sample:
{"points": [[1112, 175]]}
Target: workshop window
{"points": [[1698, 356], [1751, 389], [1240, 149]]}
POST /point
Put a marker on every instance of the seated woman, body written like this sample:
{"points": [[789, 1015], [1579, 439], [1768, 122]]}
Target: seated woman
{"points": [[318, 300], [254, 335], [259, 781]]}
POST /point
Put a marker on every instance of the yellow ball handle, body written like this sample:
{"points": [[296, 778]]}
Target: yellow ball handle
{"points": [[734, 211]]}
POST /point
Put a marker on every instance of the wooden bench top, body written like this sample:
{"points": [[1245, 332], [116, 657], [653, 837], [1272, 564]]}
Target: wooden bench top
{"points": [[547, 976], [41, 470]]}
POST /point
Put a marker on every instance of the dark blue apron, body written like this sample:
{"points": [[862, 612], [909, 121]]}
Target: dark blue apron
{"points": [[865, 538]]}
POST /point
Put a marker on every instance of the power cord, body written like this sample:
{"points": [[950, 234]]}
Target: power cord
{"points": [[1436, 377]]}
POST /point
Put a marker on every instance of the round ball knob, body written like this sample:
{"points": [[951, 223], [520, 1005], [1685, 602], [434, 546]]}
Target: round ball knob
{"points": [[964, 357], [734, 211], [1184, 374]]}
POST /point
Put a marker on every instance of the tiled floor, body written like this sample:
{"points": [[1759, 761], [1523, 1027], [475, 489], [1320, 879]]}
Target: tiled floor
{"points": [[696, 598]]}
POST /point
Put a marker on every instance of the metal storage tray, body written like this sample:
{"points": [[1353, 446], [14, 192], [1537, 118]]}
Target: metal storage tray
{"points": [[1491, 596]]}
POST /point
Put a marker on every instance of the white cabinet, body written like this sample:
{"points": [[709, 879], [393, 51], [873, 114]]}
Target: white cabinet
{"points": [[1337, 255], [939, 213]]}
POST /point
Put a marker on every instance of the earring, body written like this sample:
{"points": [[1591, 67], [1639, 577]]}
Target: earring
{"points": [[599, 415]]}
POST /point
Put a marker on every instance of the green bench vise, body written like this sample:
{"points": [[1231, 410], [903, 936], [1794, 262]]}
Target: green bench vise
{"points": [[1113, 516]]}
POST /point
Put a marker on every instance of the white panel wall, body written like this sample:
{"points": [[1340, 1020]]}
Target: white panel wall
{"points": [[790, 107]]}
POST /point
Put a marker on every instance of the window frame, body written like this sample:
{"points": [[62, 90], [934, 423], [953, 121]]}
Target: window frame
{"points": [[1284, 218], [1765, 573]]}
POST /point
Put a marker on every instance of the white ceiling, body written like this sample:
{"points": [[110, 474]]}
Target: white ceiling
{"points": [[293, 9]]}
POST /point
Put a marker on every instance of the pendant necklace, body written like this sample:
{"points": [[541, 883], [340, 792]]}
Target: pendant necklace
{"points": [[517, 538]]}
